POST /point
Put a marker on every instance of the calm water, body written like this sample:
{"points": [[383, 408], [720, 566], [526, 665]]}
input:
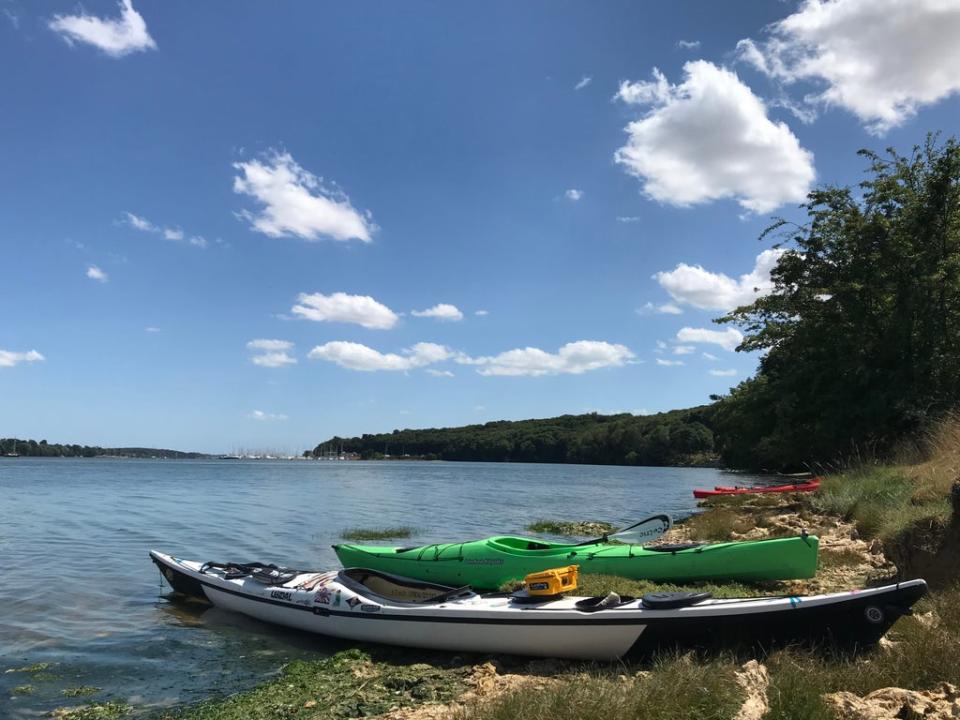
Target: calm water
{"points": [[79, 591]]}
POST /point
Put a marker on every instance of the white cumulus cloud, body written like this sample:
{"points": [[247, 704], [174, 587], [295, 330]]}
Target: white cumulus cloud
{"points": [[141, 223], [95, 273], [266, 344], [573, 358], [273, 359], [355, 356], [723, 373], [880, 59], [173, 234], [662, 309], [573, 194], [727, 339], [709, 138], [442, 311], [271, 353], [669, 363], [693, 285], [481, 313], [584, 81], [440, 373], [266, 416], [295, 202], [688, 44], [340, 307], [8, 358], [114, 36]]}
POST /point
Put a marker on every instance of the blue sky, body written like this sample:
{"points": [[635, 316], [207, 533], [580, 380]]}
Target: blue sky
{"points": [[254, 225]]}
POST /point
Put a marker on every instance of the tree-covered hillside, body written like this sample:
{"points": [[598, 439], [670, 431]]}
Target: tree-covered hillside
{"points": [[32, 448], [674, 438]]}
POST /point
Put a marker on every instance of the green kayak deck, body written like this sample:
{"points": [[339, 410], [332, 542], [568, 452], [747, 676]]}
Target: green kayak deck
{"points": [[488, 564]]}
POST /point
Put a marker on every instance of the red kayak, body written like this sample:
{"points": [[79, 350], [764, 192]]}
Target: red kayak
{"points": [[809, 486]]}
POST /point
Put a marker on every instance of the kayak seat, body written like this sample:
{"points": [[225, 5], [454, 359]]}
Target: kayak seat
{"points": [[397, 589], [672, 547], [613, 600], [671, 600]]}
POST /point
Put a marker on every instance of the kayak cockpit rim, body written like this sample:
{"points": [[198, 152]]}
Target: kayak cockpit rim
{"points": [[395, 589]]}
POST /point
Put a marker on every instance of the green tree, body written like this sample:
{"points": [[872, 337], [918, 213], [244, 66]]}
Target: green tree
{"points": [[862, 332]]}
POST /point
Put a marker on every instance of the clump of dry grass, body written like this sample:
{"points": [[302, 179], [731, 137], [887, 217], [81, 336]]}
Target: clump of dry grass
{"points": [[935, 476], [675, 687], [718, 524]]}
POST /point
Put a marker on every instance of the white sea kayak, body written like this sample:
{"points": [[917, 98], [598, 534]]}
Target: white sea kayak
{"points": [[372, 606]]}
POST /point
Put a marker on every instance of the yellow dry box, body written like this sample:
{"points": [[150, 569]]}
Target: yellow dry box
{"points": [[553, 581]]}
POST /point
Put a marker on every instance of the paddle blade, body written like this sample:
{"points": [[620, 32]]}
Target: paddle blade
{"points": [[647, 530]]}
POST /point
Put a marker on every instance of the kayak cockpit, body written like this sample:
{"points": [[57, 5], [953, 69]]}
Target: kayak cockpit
{"points": [[395, 589], [513, 544]]}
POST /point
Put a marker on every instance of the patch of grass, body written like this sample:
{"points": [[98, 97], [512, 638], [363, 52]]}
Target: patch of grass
{"points": [[844, 557], [718, 524], [35, 668], [80, 691], [743, 501], [923, 654], [23, 690], [346, 685], [592, 584], [389, 533], [112, 710], [676, 687], [569, 528], [881, 501]]}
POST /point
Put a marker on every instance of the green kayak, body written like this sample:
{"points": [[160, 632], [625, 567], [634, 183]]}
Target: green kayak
{"points": [[488, 564]]}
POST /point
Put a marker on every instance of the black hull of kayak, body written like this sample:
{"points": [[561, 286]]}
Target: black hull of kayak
{"points": [[181, 583], [854, 623]]}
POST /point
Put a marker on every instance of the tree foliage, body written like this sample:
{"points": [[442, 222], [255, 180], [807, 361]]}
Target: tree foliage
{"points": [[675, 438], [862, 332], [32, 448]]}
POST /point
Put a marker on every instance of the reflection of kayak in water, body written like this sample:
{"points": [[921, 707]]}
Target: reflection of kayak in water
{"points": [[809, 486], [370, 606]]}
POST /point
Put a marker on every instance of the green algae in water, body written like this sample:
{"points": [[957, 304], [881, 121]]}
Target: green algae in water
{"points": [[35, 668], [112, 710], [377, 533], [81, 691], [569, 528], [347, 685]]}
